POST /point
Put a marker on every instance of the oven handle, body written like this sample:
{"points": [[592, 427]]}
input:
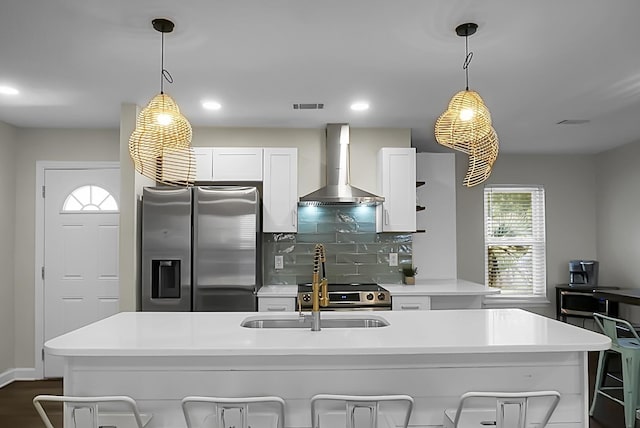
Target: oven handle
{"points": [[575, 312], [351, 308], [576, 293]]}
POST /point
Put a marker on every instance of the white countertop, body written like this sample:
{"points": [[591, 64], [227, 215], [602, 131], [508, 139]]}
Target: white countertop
{"points": [[281, 290], [409, 332], [423, 287], [440, 287]]}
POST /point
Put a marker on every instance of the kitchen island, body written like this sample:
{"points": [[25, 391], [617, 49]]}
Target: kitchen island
{"points": [[434, 356]]}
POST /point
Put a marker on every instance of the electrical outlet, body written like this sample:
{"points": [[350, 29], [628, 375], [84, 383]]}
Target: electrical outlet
{"points": [[279, 262], [393, 259]]}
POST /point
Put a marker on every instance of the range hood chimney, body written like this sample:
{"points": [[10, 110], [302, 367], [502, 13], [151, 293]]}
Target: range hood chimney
{"points": [[338, 191]]}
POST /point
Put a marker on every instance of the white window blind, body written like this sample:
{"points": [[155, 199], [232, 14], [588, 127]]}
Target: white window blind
{"points": [[515, 241]]}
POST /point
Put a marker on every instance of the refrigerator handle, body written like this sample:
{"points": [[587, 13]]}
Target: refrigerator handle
{"points": [[293, 217]]}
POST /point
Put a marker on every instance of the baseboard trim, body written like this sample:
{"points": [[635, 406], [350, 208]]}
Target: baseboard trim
{"points": [[10, 375]]}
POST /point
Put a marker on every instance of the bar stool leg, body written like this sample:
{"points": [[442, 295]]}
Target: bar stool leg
{"points": [[630, 372], [599, 379]]}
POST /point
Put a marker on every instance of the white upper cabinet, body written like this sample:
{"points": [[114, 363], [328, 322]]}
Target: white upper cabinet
{"points": [[237, 164], [204, 163], [280, 190], [228, 163], [397, 183]]}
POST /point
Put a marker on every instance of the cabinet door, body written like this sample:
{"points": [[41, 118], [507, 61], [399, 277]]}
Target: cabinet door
{"points": [[237, 164], [280, 190], [276, 304], [397, 178], [410, 303], [204, 163]]}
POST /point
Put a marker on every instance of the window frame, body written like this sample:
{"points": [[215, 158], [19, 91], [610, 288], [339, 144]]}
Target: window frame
{"points": [[81, 199], [538, 296]]}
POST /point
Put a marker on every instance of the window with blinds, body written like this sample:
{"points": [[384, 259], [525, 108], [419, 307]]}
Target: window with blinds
{"points": [[515, 241]]}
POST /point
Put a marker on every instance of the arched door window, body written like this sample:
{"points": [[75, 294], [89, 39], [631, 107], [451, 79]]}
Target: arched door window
{"points": [[90, 198]]}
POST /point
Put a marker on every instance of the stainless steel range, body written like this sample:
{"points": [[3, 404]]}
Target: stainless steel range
{"points": [[349, 297]]}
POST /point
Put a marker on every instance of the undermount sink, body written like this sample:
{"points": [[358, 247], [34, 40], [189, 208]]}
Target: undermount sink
{"points": [[369, 321]]}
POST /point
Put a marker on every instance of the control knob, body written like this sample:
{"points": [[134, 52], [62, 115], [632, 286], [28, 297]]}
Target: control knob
{"points": [[369, 296], [306, 297], [381, 296]]}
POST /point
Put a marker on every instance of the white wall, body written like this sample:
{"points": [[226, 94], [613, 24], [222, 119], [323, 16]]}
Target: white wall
{"points": [[7, 219], [434, 251], [618, 220], [569, 182]]}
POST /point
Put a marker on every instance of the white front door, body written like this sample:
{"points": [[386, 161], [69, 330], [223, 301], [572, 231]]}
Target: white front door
{"points": [[81, 283]]}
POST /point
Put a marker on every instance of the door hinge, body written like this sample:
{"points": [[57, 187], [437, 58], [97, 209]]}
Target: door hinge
{"points": [[42, 272], [43, 191]]}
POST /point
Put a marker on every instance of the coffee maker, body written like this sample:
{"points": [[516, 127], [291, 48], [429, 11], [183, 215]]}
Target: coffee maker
{"points": [[583, 273]]}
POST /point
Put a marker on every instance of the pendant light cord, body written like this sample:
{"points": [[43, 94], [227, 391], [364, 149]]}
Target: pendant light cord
{"points": [[467, 59], [164, 74]]}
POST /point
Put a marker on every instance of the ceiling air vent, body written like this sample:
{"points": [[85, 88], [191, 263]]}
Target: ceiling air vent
{"points": [[308, 106], [572, 122]]}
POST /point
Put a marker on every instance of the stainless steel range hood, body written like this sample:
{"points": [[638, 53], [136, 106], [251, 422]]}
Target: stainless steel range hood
{"points": [[338, 191]]}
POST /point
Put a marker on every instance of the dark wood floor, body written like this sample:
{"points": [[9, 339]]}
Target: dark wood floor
{"points": [[16, 406], [17, 411]]}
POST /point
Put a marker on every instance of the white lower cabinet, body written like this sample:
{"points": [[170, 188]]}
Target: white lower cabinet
{"points": [[276, 304], [410, 303]]}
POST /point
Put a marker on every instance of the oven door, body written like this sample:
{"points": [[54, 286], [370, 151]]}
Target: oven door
{"points": [[581, 303]]}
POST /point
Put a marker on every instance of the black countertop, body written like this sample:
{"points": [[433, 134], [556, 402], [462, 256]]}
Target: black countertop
{"points": [[583, 287], [629, 296]]}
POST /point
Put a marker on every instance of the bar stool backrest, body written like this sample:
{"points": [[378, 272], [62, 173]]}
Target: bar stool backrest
{"points": [[227, 412], [511, 410], [353, 406], [613, 327], [83, 412]]}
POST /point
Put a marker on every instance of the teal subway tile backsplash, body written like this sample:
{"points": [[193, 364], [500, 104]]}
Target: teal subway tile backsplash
{"points": [[354, 251]]}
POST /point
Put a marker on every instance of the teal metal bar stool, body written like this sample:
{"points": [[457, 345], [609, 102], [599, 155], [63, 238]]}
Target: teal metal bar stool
{"points": [[629, 350]]}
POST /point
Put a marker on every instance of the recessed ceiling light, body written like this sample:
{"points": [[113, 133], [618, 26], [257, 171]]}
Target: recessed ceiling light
{"points": [[8, 90], [211, 105], [360, 106]]}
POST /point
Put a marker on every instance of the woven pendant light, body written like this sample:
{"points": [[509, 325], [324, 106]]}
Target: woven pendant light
{"points": [[160, 146], [482, 156], [466, 119], [466, 124]]}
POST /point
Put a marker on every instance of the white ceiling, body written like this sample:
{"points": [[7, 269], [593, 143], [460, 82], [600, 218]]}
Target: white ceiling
{"points": [[535, 63]]}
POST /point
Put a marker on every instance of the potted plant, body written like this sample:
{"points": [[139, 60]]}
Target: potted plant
{"points": [[409, 273]]}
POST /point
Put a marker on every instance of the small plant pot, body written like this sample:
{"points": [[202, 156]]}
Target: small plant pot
{"points": [[410, 280]]}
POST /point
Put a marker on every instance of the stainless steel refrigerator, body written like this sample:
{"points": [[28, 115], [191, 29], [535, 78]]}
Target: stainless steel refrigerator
{"points": [[200, 248]]}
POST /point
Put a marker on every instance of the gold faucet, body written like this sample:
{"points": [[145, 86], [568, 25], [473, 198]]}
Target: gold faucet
{"points": [[319, 287]]}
